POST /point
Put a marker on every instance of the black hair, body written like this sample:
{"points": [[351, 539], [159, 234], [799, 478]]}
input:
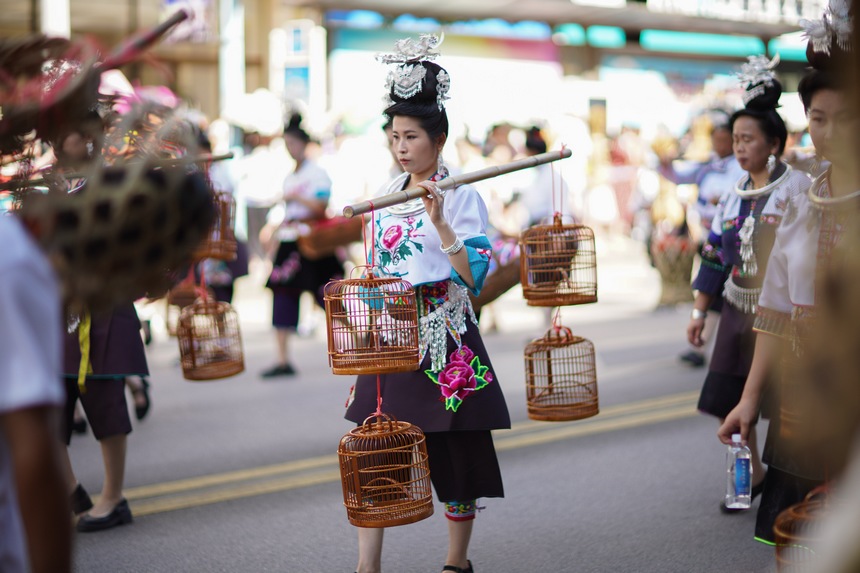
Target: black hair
{"points": [[294, 128], [423, 106], [534, 140], [816, 80], [762, 108]]}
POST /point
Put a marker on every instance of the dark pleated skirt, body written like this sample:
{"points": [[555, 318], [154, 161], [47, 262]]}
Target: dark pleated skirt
{"points": [[730, 362]]}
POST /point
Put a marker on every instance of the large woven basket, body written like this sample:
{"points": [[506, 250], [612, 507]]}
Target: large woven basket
{"points": [[558, 264], [673, 258], [796, 530], [372, 326], [561, 377], [210, 344], [385, 473]]}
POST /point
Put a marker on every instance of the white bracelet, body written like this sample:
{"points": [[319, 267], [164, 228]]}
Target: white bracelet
{"points": [[454, 248], [697, 314]]}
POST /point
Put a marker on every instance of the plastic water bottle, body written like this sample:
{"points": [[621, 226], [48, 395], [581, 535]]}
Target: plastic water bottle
{"points": [[738, 475]]}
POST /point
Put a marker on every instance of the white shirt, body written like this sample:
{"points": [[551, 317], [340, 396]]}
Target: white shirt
{"points": [[30, 362], [310, 181], [409, 247]]}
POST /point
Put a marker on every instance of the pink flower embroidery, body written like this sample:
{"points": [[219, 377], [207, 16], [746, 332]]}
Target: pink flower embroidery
{"points": [[392, 236], [463, 375]]}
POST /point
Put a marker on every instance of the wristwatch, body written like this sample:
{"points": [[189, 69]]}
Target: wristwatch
{"points": [[697, 314]]}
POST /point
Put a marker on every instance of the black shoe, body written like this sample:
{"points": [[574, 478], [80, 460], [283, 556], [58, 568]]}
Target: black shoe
{"points": [[80, 500], [754, 493], [279, 370], [79, 426], [459, 569], [141, 410], [119, 515], [693, 358]]}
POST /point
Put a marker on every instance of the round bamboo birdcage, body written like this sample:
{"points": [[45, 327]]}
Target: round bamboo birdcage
{"points": [[372, 326], [385, 473], [178, 297], [796, 530], [210, 344], [221, 242], [561, 377], [558, 264]]}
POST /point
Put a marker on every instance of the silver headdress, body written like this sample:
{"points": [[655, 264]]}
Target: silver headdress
{"points": [[834, 24], [756, 75], [405, 79]]}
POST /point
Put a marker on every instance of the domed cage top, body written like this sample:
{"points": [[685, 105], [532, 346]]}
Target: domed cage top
{"points": [[561, 377], [372, 326], [558, 264], [210, 344], [385, 473]]}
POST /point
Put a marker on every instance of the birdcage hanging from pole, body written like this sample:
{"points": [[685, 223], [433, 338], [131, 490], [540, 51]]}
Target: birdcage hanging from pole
{"points": [[558, 264], [385, 473], [210, 343], [372, 325], [221, 242], [561, 377]]}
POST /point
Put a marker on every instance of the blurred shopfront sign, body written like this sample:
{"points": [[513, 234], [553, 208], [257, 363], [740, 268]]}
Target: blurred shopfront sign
{"points": [[769, 11]]}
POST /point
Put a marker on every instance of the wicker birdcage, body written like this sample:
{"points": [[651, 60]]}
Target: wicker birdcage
{"points": [[372, 326], [210, 344], [385, 473], [558, 264], [796, 530], [561, 377], [221, 242]]}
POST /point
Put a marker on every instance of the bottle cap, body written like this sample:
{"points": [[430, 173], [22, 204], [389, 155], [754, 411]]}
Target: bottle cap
{"points": [[736, 438]]}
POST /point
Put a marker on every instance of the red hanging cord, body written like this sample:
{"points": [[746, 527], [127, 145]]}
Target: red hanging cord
{"points": [[378, 395]]}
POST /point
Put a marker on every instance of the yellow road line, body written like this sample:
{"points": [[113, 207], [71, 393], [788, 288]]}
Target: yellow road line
{"points": [[184, 494], [194, 483]]}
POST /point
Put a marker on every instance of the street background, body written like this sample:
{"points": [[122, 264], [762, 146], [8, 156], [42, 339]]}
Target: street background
{"points": [[241, 475]]}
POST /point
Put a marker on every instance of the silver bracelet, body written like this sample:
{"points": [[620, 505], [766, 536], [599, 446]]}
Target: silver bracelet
{"points": [[454, 248], [697, 314]]}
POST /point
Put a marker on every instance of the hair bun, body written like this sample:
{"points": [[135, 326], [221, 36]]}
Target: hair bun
{"points": [[764, 96]]}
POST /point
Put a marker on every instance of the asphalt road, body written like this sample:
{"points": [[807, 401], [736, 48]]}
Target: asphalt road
{"points": [[240, 475]]}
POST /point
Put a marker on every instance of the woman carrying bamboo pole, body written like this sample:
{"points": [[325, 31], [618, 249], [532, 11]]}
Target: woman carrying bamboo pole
{"points": [[437, 243]]}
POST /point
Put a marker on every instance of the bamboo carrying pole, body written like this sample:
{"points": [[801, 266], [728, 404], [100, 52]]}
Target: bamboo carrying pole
{"points": [[487, 173]]}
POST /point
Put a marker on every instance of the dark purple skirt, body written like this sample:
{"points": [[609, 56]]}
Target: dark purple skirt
{"points": [[116, 346], [415, 398]]}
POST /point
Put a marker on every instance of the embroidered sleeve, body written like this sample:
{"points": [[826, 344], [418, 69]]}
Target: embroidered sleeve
{"points": [[770, 321], [713, 270], [479, 251]]}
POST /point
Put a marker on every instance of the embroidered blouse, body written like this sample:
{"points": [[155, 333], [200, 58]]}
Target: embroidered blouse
{"points": [[722, 256], [408, 247]]}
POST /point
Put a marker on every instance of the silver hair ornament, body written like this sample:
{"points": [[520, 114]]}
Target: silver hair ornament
{"points": [[835, 23], [409, 50], [443, 84], [757, 74], [407, 80]]}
